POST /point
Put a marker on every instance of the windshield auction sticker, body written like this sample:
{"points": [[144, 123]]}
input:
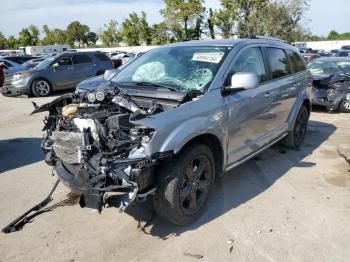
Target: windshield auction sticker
{"points": [[208, 57]]}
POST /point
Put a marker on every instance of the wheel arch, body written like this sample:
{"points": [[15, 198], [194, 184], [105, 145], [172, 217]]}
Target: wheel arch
{"points": [[214, 144]]}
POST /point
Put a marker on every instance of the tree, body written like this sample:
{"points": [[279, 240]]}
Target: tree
{"points": [[54, 36], [91, 39], [29, 36], [145, 29], [12, 43], [135, 29], [110, 36], [159, 34], [211, 24], [35, 34], [333, 35], [77, 33], [277, 19], [183, 12], [130, 30], [226, 17], [2, 41]]}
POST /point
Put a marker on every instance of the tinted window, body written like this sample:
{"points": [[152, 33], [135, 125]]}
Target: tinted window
{"points": [[102, 57], [278, 62], [251, 60], [64, 61], [81, 59], [297, 63]]}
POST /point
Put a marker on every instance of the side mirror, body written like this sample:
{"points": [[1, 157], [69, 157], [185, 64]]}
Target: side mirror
{"points": [[110, 73], [242, 81], [55, 65]]}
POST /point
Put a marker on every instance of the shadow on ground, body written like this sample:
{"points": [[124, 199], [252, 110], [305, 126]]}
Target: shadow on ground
{"points": [[240, 184], [18, 152]]}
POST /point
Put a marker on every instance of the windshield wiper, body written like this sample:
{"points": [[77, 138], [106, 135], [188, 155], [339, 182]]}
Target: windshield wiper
{"points": [[144, 83]]}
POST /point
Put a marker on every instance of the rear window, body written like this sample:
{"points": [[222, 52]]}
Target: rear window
{"points": [[81, 59], [278, 62], [297, 63], [102, 57]]}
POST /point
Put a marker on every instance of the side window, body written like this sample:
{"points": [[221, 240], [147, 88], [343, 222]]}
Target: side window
{"points": [[297, 63], [278, 62], [65, 61], [81, 59], [251, 60], [102, 57]]}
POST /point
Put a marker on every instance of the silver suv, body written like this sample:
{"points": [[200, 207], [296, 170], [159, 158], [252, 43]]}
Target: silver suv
{"points": [[58, 72], [175, 119]]}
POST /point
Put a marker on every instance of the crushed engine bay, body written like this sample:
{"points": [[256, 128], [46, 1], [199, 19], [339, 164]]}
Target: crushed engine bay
{"points": [[330, 90], [96, 147]]}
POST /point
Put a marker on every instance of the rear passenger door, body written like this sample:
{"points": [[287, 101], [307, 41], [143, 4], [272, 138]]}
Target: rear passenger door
{"points": [[282, 86], [83, 67], [301, 78]]}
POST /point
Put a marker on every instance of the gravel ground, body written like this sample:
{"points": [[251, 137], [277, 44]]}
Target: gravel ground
{"points": [[284, 205]]}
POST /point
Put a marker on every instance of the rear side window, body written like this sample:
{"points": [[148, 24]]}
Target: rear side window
{"points": [[250, 60], [81, 59], [297, 63], [278, 62], [102, 57]]}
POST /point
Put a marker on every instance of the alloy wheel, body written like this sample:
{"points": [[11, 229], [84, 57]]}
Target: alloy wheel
{"points": [[195, 184], [300, 127], [42, 88]]}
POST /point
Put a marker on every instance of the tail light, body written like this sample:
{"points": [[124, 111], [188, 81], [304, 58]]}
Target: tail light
{"points": [[113, 64]]}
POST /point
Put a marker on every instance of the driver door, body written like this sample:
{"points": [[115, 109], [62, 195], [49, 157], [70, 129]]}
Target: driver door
{"points": [[250, 118], [63, 73]]}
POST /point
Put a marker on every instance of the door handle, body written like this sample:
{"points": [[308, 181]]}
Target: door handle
{"points": [[93, 65], [70, 68], [267, 94]]}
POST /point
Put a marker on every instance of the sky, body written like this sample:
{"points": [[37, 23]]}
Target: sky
{"points": [[322, 16]]}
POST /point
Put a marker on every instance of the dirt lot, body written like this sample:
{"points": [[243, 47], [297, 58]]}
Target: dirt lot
{"points": [[284, 205]]}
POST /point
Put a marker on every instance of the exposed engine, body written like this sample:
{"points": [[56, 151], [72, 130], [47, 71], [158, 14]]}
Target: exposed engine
{"points": [[330, 90], [95, 146]]}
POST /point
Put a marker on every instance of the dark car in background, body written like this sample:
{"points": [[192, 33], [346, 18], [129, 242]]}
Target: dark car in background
{"points": [[18, 59], [331, 84], [60, 72], [342, 53], [310, 56], [345, 48]]}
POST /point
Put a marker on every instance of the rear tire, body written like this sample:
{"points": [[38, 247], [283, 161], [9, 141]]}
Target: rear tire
{"points": [[296, 137], [344, 106], [184, 184], [41, 88]]}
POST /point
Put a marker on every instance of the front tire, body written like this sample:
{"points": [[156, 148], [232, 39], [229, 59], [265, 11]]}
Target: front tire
{"points": [[184, 184], [41, 88], [344, 106], [296, 137]]}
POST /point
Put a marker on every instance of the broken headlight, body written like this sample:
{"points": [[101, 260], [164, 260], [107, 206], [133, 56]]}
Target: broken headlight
{"points": [[145, 134]]}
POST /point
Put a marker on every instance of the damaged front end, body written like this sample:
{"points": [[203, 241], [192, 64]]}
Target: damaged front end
{"points": [[97, 148], [330, 90]]}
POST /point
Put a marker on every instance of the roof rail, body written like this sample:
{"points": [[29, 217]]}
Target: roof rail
{"points": [[266, 37]]}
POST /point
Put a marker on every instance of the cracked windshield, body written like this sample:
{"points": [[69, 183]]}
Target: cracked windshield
{"points": [[181, 68]]}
